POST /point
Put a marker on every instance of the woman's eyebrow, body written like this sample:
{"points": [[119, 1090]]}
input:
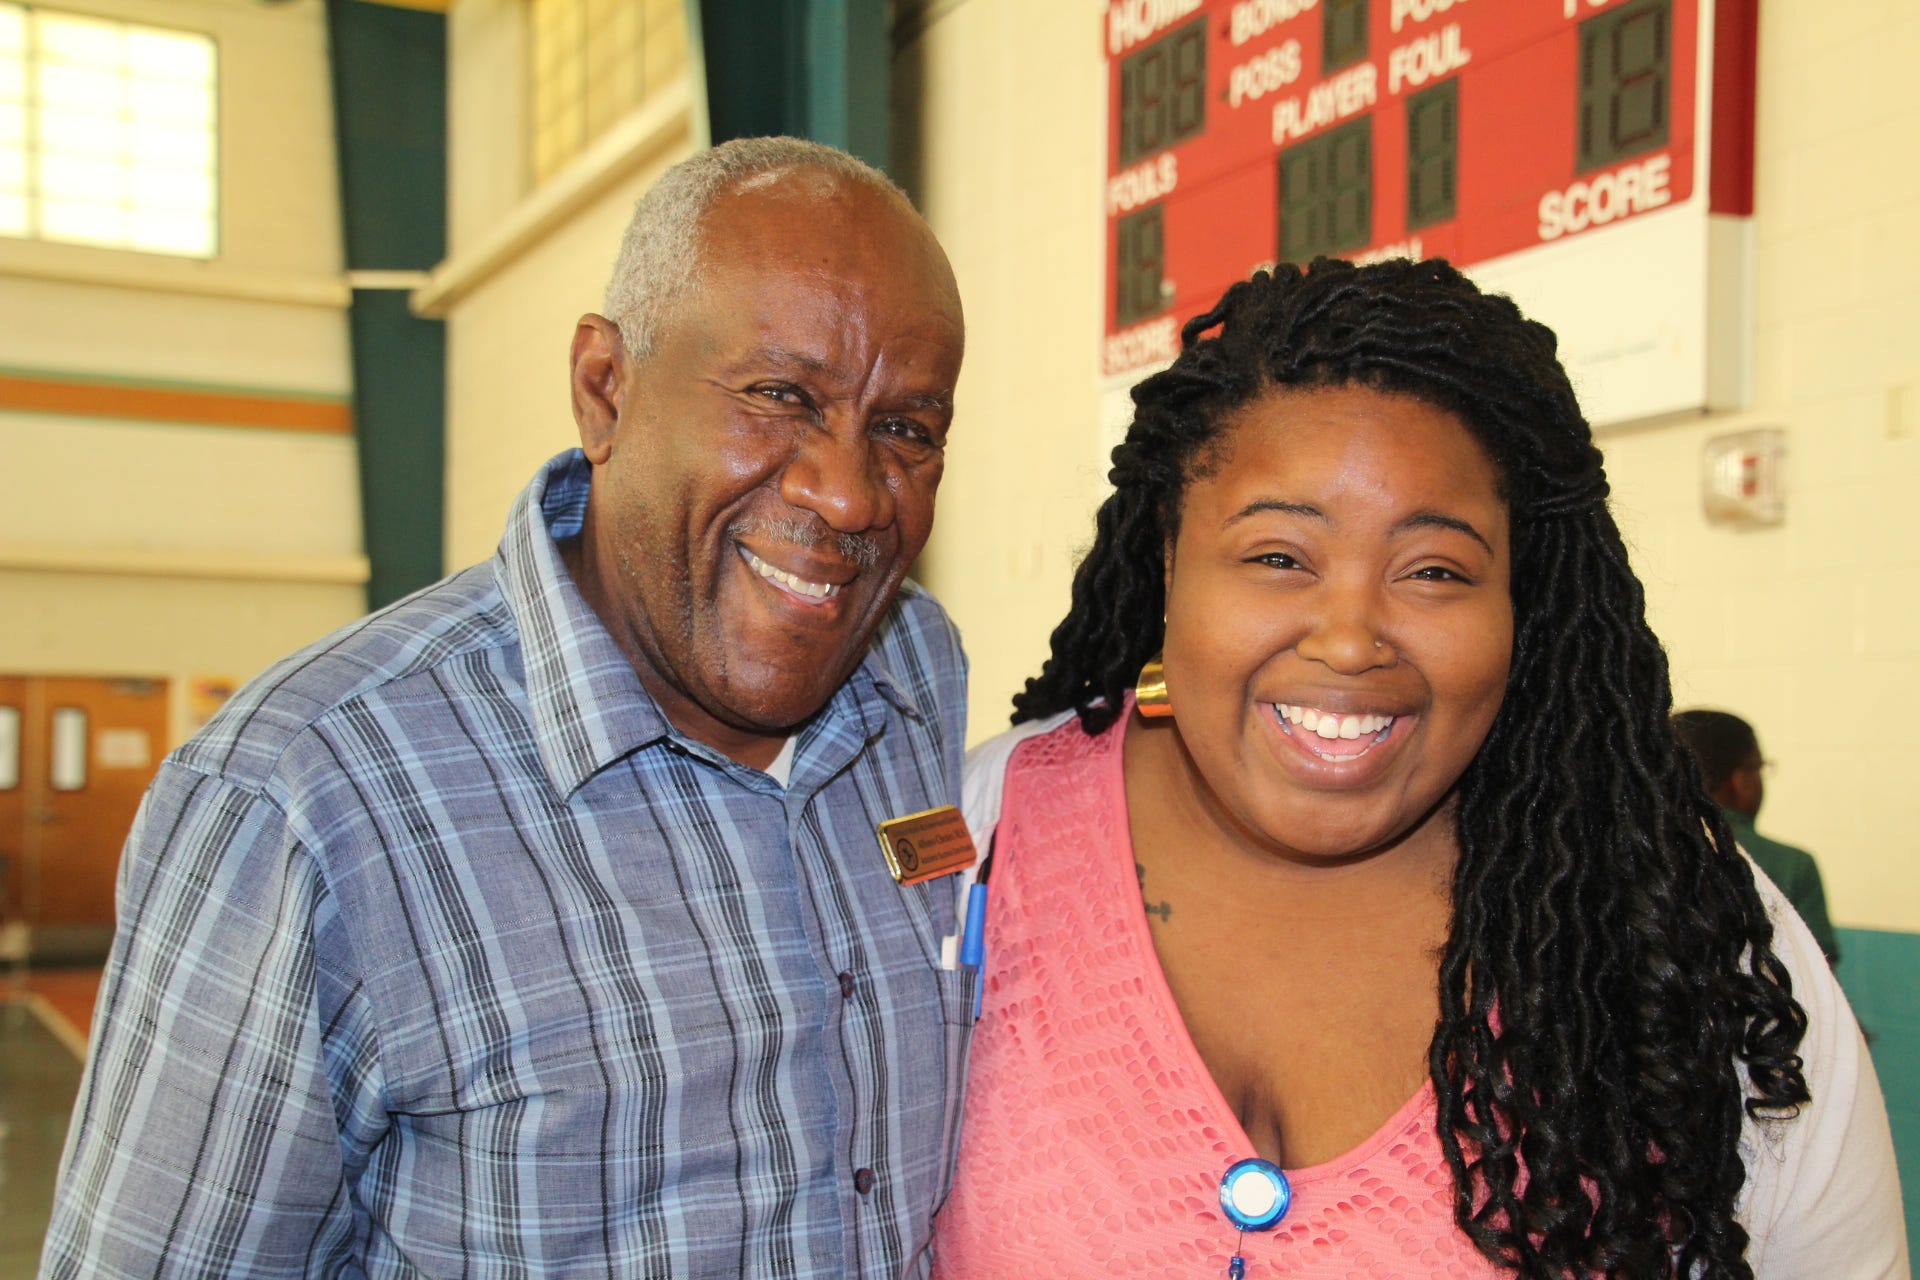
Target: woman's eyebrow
{"points": [[1440, 520], [1260, 506], [1418, 520]]}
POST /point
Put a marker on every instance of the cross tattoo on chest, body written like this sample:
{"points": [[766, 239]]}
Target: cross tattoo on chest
{"points": [[1162, 908]]}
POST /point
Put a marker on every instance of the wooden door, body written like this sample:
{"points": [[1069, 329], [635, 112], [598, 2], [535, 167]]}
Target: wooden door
{"points": [[13, 810], [88, 748]]}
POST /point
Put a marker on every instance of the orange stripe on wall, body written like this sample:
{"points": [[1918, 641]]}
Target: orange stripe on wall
{"points": [[172, 404]]}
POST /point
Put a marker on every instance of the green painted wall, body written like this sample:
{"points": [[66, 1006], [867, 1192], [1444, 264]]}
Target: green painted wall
{"points": [[812, 68], [390, 117], [1880, 971]]}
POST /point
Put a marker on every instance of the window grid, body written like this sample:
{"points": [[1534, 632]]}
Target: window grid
{"points": [[590, 64], [107, 133]]}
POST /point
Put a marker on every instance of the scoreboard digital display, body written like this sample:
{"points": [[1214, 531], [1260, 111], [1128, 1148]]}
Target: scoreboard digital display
{"points": [[1521, 139]]}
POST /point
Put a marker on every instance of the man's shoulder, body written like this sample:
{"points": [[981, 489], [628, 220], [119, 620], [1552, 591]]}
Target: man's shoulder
{"points": [[373, 659], [917, 636], [1776, 857], [916, 652]]}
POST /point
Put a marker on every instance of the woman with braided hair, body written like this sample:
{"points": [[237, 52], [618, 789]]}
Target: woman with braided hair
{"points": [[1354, 910]]}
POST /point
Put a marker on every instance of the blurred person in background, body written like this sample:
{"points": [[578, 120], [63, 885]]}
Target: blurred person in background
{"points": [[1732, 769]]}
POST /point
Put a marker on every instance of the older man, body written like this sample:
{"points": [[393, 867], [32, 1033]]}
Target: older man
{"points": [[536, 925]]}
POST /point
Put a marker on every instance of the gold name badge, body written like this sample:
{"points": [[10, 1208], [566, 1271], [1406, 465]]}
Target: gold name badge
{"points": [[924, 846]]}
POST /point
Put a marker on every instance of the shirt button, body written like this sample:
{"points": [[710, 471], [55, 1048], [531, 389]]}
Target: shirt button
{"points": [[863, 1180], [846, 986]]}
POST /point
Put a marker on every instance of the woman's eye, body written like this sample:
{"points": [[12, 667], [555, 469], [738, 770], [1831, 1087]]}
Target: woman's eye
{"points": [[1276, 560], [1437, 573]]}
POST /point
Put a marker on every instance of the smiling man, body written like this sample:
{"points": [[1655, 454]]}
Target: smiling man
{"points": [[537, 924]]}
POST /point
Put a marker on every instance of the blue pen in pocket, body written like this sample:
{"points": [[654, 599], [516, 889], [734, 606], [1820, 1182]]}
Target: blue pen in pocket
{"points": [[973, 937]]}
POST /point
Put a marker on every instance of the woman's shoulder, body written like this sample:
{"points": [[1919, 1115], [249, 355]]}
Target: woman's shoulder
{"points": [[983, 785]]}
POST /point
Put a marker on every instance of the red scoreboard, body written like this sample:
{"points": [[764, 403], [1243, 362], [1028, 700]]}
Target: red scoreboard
{"points": [[1593, 158]]}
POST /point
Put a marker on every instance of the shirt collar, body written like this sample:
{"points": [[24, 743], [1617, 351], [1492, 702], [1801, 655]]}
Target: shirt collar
{"points": [[588, 707], [874, 673]]}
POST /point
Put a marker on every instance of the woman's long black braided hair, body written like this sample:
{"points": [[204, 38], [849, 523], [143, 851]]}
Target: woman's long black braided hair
{"points": [[1608, 969]]}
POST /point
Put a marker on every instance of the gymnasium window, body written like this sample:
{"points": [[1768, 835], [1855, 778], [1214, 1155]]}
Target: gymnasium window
{"points": [[108, 133], [592, 63]]}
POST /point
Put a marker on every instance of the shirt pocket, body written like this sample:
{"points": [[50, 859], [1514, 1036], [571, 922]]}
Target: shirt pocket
{"points": [[956, 1018]]}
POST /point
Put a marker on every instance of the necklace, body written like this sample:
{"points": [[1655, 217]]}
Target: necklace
{"points": [[1255, 1195]]}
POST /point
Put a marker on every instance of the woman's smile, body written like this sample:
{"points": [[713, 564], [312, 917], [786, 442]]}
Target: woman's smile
{"points": [[1331, 736]]}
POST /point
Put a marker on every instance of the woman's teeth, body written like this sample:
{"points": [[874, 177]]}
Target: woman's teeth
{"points": [[800, 586], [1328, 724]]}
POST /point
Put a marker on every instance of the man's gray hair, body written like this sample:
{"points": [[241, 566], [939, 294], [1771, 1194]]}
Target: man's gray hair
{"points": [[660, 255]]}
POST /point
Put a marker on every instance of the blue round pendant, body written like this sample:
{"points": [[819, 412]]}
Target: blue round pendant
{"points": [[1255, 1194]]}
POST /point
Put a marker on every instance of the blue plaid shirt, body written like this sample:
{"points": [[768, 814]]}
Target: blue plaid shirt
{"points": [[442, 953]]}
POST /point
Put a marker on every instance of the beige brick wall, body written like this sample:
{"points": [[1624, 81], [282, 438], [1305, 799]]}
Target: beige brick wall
{"points": [[1812, 630]]}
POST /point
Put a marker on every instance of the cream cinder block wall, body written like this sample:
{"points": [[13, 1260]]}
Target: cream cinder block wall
{"points": [[508, 330], [209, 550], [1000, 112], [508, 399], [1811, 630]]}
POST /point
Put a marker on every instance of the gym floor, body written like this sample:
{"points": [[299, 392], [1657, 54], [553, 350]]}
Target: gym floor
{"points": [[44, 1016]]}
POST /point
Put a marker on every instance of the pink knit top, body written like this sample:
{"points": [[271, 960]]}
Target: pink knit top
{"points": [[1094, 1137]]}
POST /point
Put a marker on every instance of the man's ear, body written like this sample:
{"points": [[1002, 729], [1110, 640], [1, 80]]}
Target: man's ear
{"points": [[599, 366]]}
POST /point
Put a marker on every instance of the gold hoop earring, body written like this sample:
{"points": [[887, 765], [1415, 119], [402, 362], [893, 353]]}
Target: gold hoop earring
{"points": [[1150, 696]]}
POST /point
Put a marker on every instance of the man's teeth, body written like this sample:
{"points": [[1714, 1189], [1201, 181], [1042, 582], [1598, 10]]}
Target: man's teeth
{"points": [[1329, 725], [818, 590]]}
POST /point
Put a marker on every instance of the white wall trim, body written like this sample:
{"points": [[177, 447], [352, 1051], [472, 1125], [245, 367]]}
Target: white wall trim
{"points": [[408, 280], [141, 562], [124, 269], [665, 118]]}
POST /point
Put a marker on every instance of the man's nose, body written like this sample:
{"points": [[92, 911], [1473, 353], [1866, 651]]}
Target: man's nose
{"points": [[841, 478]]}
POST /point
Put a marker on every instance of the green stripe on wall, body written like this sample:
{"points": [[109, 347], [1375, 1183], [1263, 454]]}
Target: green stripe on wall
{"points": [[1879, 969]]}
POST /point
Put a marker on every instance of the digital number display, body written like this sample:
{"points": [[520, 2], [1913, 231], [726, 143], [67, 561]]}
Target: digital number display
{"points": [[1626, 59], [1163, 93], [1326, 193], [1140, 272], [1510, 137], [1343, 33], [1433, 154]]}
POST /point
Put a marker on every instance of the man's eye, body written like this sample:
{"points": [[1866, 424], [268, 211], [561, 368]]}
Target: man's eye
{"points": [[779, 392], [907, 429]]}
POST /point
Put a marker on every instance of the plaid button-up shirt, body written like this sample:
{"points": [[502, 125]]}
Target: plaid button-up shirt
{"points": [[442, 953]]}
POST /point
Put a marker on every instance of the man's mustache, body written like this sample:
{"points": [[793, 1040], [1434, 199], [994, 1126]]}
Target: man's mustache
{"points": [[799, 531]]}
